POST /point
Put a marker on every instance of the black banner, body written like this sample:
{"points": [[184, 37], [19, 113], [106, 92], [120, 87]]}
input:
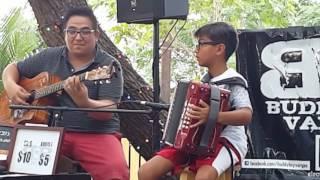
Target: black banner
{"points": [[282, 67]]}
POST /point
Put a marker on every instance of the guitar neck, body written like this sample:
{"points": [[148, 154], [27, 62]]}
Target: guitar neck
{"points": [[48, 90]]}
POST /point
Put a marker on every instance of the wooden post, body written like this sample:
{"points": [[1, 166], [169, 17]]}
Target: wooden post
{"points": [[165, 74]]}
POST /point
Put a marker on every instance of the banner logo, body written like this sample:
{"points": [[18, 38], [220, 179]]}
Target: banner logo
{"points": [[294, 69], [292, 82]]}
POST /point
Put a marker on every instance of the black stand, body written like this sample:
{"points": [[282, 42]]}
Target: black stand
{"points": [[156, 87], [56, 111]]}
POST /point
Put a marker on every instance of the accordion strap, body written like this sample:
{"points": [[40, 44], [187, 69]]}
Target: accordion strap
{"points": [[232, 81], [213, 114]]}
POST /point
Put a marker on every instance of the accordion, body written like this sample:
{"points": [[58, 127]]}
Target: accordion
{"points": [[202, 139]]}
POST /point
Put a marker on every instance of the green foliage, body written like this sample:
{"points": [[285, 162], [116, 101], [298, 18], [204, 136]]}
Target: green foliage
{"points": [[18, 36], [259, 14], [136, 40], [309, 15], [110, 5]]}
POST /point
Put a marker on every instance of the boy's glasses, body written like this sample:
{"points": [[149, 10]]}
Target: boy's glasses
{"points": [[200, 43], [84, 33]]}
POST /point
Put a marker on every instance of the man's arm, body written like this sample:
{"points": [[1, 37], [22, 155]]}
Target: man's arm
{"points": [[79, 94], [10, 78], [103, 104], [10, 75]]}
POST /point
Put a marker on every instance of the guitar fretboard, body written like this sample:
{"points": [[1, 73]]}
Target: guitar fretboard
{"points": [[45, 91]]}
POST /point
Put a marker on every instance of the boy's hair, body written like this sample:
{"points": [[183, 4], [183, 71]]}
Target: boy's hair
{"points": [[80, 11], [220, 32]]}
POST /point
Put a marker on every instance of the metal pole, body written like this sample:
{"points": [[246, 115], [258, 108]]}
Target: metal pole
{"points": [[156, 87]]}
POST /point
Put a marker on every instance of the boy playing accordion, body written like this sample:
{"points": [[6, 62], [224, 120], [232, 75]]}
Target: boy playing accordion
{"points": [[216, 43]]}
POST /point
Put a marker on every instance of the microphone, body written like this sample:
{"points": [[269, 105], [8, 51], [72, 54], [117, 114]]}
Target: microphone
{"points": [[155, 105]]}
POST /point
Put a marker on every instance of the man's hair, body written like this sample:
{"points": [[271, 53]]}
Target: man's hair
{"points": [[220, 32], [80, 11]]}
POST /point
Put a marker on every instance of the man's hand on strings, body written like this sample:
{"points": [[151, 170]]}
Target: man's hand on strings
{"points": [[199, 113], [76, 90], [18, 95]]}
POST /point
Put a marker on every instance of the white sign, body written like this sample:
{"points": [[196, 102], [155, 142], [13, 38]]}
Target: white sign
{"points": [[35, 150], [291, 58], [291, 82], [276, 164]]}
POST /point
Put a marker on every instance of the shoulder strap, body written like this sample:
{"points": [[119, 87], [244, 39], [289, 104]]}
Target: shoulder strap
{"points": [[232, 81], [208, 131]]}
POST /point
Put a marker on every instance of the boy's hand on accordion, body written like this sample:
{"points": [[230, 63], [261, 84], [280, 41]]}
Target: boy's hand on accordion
{"points": [[199, 113]]}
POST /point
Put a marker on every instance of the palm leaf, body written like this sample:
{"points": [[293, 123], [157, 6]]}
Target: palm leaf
{"points": [[18, 36]]}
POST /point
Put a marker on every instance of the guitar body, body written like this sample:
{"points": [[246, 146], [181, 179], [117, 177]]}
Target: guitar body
{"points": [[20, 116], [44, 88]]}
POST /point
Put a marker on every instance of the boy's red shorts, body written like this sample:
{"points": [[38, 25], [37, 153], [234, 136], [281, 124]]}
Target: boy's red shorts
{"points": [[181, 159]]}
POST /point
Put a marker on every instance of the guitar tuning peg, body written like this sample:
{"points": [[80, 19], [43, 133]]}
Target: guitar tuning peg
{"points": [[108, 81], [95, 82], [100, 82]]}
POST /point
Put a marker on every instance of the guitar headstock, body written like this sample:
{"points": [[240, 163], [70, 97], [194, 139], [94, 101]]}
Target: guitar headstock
{"points": [[101, 73]]}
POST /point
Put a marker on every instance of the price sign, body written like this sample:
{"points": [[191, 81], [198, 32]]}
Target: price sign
{"points": [[35, 150]]}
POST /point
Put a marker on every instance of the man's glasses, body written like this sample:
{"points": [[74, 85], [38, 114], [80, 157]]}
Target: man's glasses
{"points": [[83, 32], [201, 43]]}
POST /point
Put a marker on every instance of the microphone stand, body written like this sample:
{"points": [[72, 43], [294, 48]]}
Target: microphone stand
{"points": [[156, 87], [56, 111]]}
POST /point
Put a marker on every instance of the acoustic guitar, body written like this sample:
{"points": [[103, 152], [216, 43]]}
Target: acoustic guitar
{"points": [[43, 89]]}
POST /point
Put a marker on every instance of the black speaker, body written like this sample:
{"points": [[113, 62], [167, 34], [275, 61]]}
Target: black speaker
{"points": [[147, 11]]}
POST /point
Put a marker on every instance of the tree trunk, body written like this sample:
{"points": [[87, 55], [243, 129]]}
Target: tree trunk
{"points": [[166, 72], [136, 127]]}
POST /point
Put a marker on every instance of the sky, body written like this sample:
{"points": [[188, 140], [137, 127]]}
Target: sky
{"points": [[7, 5]]}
